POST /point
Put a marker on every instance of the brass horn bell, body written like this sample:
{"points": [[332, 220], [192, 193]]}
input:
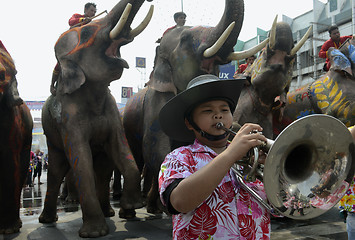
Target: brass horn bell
{"points": [[308, 168]]}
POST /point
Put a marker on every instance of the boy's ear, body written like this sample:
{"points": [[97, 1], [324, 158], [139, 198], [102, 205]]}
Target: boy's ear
{"points": [[188, 125]]}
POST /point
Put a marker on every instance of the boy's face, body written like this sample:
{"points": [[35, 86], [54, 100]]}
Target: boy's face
{"points": [[206, 115]]}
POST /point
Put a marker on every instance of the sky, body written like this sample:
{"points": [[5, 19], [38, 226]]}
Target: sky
{"points": [[29, 30]]}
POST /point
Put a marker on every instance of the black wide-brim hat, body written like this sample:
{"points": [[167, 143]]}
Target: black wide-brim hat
{"points": [[200, 89]]}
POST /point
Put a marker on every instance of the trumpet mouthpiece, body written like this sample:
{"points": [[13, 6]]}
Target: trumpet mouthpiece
{"points": [[219, 125]]}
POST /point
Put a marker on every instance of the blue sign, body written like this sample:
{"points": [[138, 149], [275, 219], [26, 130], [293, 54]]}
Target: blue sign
{"points": [[140, 62], [226, 71]]}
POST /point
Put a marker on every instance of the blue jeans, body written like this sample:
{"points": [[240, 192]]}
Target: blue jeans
{"points": [[350, 226]]}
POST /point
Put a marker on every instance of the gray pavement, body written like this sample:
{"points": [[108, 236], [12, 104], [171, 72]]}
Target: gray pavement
{"points": [[149, 226]]}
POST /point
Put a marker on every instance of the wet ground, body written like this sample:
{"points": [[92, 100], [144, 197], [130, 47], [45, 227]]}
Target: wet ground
{"points": [[149, 226]]}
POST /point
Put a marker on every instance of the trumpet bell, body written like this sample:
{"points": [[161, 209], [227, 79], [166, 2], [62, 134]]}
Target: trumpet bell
{"points": [[309, 167]]}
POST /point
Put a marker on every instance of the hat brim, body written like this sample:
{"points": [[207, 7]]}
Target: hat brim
{"points": [[172, 115]]}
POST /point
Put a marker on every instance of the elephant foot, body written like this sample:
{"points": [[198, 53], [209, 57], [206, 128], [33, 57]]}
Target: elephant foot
{"points": [[108, 212], [132, 202], [11, 228], [154, 210], [71, 199], [155, 207], [93, 229], [127, 213], [47, 218]]}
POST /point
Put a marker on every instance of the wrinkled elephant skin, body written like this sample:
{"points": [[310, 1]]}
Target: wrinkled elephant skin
{"points": [[83, 125], [267, 83], [15, 145], [179, 58]]}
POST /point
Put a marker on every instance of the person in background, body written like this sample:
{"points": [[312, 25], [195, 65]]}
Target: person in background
{"points": [[196, 182], [335, 41], [37, 164], [347, 204], [89, 12], [180, 20], [30, 170], [248, 62]]}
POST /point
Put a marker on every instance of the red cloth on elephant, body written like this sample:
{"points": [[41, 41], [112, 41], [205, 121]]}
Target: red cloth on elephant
{"points": [[328, 44], [75, 19], [228, 213]]}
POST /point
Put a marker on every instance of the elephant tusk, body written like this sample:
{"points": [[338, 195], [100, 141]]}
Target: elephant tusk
{"points": [[301, 42], [247, 53], [135, 32], [121, 22], [273, 34], [218, 44]]}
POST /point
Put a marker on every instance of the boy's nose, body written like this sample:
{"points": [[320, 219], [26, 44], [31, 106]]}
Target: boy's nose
{"points": [[217, 116]]}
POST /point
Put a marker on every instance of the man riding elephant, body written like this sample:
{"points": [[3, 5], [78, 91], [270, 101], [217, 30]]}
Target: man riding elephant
{"points": [[82, 122], [331, 94]]}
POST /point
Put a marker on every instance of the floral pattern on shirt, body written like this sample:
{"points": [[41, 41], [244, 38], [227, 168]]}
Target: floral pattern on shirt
{"points": [[228, 213], [348, 201]]}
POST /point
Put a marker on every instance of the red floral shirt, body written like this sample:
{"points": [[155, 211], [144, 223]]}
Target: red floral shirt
{"points": [[228, 213]]}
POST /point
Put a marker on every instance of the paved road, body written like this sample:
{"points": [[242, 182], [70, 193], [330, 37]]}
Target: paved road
{"points": [[148, 226]]}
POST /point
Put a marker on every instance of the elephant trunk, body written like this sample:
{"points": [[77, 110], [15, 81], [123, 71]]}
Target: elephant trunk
{"points": [[234, 11]]}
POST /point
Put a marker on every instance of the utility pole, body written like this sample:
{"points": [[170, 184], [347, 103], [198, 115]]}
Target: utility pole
{"points": [[182, 5]]}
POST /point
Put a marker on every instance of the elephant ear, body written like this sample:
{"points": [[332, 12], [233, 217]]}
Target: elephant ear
{"points": [[72, 77], [162, 78]]}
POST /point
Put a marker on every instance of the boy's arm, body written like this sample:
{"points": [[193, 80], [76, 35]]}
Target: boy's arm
{"points": [[195, 189]]}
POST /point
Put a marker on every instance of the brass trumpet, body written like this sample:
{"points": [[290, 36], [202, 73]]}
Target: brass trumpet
{"points": [[310, 164]]}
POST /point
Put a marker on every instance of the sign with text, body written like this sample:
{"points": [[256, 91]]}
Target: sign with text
{"points": [[127, 92], [226, 71]]}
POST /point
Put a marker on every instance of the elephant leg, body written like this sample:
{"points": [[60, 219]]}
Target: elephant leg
{"points": [[81, 161], [147, 181], [103, 170], [72, 192], [57, 168], [10, 193], [157, 147], [122, 157], [117, 186]]}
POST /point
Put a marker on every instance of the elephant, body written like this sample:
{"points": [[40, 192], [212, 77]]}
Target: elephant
{"points": [[183, 54], [331, 94], [82, 123], [15, 145], [268, 79]]}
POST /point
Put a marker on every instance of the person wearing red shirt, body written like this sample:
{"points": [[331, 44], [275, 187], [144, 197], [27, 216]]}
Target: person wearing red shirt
{"points": [[180, 20], [74, 21], [335, 41], [89, 12], [249, 61]]}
